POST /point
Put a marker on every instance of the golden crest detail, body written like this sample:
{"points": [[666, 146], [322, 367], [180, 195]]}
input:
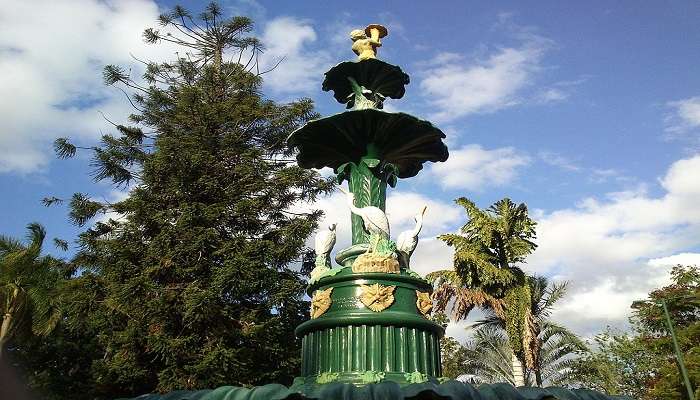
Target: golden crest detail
{"points": [[424, 302], [320, 302], [377, 297], [372, 262]]}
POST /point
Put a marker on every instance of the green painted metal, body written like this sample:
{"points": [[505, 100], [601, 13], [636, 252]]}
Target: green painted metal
{"points": [[369, 188], [374, 75], [350, 339], [370, 149], [403, 142], [385, 390]]}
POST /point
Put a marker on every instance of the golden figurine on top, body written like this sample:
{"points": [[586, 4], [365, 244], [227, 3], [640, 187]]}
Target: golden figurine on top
{"points": [[365, 43]]}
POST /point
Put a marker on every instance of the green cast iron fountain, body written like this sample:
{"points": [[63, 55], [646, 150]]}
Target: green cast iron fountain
{"points": [[370, 336], [370, 314]]}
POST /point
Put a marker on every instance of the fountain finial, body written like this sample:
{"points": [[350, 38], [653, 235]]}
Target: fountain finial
{"points": [[365, 42]]}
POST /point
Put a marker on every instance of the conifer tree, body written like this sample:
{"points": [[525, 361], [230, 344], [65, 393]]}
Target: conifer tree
{"points": [[196, 283]]}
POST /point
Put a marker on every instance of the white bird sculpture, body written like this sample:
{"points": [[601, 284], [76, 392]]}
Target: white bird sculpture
{"points": [[373, 218], [408, 240], [323, 244]]}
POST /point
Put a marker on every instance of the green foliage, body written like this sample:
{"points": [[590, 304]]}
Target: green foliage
{"points": [[29, 283], [487, 357], [452, 353], [83, 209], [193, 285], [60, 244], [486, 273], [620, 364], [63, 148], [642, 364]]}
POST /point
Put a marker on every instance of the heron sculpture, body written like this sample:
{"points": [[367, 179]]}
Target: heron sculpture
{"points": [[323, 244], [373, 218], [408, 240]]}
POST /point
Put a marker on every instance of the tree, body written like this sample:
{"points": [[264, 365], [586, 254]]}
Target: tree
{"points": [[28, 284], [619, 364], [682, 300], [195, 284], [554, 344], [453, 356], [642, 363], [487, 357], [486, 273]]}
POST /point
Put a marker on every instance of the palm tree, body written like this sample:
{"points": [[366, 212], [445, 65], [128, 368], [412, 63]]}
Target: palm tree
{"points": [[488, 358], [27, 286], [554, 345], [486, 273]]}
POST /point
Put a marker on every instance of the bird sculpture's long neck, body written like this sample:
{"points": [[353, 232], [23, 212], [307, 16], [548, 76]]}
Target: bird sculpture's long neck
{"points": [[419, 225], [351, 204]]}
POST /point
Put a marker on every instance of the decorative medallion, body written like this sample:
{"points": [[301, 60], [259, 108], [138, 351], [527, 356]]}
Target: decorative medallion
{"points": [[424, 302], [377, 297], [373, 262], [321, 302]]}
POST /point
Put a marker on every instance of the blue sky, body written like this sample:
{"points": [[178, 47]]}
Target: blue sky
{"points": [[587, 111]]}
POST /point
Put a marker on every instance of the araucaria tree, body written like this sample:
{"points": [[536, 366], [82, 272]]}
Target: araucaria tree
{"points": [[488, 252], [194, 277]]}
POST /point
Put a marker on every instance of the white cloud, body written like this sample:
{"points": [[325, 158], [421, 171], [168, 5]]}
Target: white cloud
{"points": [[431, 255], [403, 206], [552, 95], [458, 87], [54, 73], [473, 167], [612, 249], [289, 40], [557, 160], [602, 175], [684, 117], [676, 259]]}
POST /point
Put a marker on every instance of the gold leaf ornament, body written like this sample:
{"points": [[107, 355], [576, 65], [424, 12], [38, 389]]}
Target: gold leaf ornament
{"points": [[377, 297], [320, 302], [424, 302]]}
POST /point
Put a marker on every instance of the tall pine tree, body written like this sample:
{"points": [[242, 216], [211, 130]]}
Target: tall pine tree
{"points": [[195, 284]]}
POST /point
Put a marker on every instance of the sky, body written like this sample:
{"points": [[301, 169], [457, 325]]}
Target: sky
{"points": [[588, 112]]}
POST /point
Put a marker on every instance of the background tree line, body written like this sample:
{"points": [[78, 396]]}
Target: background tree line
{"points": [[517, 342]]}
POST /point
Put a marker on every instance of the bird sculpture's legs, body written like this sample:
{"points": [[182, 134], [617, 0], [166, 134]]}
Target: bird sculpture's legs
{"points": [[404, 257]]}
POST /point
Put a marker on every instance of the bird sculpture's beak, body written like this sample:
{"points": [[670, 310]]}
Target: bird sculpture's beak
{"points": [[425, 208], [342, 189]]}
